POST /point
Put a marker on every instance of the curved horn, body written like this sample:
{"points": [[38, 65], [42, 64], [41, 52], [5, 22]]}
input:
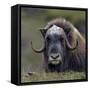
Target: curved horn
{"points": [[39, 50], [69, 46]]}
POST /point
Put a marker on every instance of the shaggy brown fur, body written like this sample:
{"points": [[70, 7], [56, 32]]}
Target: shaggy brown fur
{"points": [[74, 60]]}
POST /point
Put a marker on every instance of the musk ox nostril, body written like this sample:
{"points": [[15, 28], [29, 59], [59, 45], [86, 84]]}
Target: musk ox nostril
{"points": [[54, 56]]}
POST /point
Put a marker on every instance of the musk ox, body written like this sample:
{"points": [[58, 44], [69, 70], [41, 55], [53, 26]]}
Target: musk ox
{"points": [[64, 47]]}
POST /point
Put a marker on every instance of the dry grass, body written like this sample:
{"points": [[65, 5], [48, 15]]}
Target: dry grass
{"points": [[36, 77]]}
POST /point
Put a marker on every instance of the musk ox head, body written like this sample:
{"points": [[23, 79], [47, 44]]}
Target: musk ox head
{"points": [[58, 41]]}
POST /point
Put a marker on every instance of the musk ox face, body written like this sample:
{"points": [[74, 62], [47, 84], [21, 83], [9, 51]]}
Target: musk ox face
{"points": [[55, 45]]}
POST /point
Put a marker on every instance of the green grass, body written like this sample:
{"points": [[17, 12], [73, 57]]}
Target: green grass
{"points": [[53, 76]]}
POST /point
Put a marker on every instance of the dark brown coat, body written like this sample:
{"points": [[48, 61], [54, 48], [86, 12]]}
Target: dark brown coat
{"points": [[75, 60]]}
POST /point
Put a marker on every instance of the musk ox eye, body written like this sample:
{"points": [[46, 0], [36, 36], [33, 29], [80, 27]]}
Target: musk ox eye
{"points": [[48, 38], [61, 38]]}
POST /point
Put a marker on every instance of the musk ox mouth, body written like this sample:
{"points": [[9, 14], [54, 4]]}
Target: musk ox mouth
{"points": [[55, 62], [55, 59]]}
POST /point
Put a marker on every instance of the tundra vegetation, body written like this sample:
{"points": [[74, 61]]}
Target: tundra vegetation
{"points": [[31, 21]]}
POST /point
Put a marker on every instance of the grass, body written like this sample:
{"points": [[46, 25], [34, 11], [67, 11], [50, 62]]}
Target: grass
{"points": [[36, 77]]}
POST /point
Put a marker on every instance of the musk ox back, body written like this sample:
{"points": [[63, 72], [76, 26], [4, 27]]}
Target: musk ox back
{"points": [[64, 47]]}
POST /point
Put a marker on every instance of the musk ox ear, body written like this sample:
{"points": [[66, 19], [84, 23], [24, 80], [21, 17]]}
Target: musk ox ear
{"points": [[43, 31]]}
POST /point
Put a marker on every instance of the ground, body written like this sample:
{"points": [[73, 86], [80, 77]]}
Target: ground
{"points": [[36, 77]]}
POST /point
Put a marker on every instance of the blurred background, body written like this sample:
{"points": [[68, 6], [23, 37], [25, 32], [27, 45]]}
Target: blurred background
{"points": [[32, 19]]}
